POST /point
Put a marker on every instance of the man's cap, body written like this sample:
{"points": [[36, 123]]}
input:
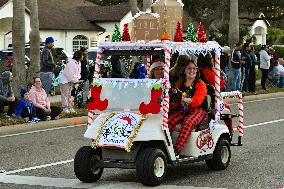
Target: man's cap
{"points": [[49, 40]]}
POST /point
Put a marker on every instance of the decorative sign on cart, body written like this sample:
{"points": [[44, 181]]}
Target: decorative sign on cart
{"points": [[120, 130]]}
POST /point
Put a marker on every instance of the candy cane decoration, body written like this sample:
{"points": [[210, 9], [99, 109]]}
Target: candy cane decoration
{"points": [[238, 95], [98, 63], [217, 77], [148, 63], [166, 102]]}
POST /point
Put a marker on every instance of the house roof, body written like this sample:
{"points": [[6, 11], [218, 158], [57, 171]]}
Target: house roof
{"points": [[64, 15], [105, 13], [3, 2]]}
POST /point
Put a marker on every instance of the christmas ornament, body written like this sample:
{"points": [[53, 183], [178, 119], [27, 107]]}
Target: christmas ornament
{"points": [[201, 35], [125, 34], [191, 35], [95, 103], [178, 34], [116, 34], [154, 104]]}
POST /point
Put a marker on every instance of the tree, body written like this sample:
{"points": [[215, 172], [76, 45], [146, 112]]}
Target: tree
{"points": [[125, 34], [178, 34], [234, 34], [191, 35], [116, 37], [18, 36], [274, 35], [201, 35], [34, 42]]}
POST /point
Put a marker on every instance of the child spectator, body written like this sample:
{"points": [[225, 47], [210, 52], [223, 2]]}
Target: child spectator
{"points": [[25, 108]]}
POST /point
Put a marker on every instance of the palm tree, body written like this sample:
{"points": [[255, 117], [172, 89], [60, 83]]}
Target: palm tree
{"points": [[34, 42], [134, 7], [234, 23], [18, 36]]}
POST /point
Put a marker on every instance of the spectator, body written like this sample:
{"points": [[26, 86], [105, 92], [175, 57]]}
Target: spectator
{"points": [[41, 102], [192, 105], [264, 60], [47, 65], [236, 67], [224, 60], [276, 71], [85, 73], [69, 77], [25, 107], [246, 65], [7, 97], [252, 72], [9, 63], [157, 69]]}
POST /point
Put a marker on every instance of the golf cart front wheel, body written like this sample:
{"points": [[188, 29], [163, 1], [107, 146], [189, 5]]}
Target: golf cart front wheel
{"points": [[151, 166], [221, 156], [87, 164]]}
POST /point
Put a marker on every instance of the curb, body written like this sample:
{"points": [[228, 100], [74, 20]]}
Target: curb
{"points": [[28, 127], [257, 97]]}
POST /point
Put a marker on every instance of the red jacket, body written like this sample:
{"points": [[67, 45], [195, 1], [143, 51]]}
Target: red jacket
{"points": [[209, 76]]}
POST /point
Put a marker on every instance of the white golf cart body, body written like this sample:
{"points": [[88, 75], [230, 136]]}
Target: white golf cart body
{"points": [[124, 96]]}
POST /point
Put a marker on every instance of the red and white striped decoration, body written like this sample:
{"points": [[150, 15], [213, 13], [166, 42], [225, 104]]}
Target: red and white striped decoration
{"points": [[217, 78], [148, 63], [90, 118], [98, 63], [166, 101], [238, 95]]}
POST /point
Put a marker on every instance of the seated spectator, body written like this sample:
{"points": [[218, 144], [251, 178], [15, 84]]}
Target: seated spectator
{"points": [[277, 73], [157, 70], [25, 107], [7, 97], [41, 102]]}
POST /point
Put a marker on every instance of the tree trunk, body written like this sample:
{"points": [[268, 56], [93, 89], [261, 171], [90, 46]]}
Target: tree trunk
{"points": [[234, 34], [18, 41], [147, 5], [34, 42], [134, 7]]}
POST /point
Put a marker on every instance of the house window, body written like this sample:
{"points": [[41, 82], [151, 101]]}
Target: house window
{"points": [[79, 41]]}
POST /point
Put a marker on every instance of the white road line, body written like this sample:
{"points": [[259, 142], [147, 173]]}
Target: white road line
{"points": [[264, 123], [38, 167], [75, 183], [43, 130], [266, 99]]}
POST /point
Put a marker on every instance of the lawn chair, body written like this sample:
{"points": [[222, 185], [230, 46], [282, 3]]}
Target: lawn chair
{"points": [[272, 80]]}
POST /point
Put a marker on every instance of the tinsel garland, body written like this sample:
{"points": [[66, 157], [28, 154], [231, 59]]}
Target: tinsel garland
{"points": [[134, 133], [96, 140]]}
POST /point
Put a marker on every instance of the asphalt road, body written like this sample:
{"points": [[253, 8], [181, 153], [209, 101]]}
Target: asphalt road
{"points": [[45, 159]]}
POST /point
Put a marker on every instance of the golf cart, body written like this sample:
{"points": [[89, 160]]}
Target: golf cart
{"points": [[131, 130]]}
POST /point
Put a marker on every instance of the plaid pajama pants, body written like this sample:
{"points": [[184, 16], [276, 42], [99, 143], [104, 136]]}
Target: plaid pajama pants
{"points": [[188, 123]]}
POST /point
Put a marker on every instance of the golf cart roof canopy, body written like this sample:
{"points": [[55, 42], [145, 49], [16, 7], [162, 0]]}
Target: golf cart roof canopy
{"points": [[175, 47]]}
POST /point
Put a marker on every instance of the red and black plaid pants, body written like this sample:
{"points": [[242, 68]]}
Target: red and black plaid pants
{"points": [[188, 124]]}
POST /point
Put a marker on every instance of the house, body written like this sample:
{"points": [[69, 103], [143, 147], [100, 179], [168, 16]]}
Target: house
{"points": [[73, 23]]}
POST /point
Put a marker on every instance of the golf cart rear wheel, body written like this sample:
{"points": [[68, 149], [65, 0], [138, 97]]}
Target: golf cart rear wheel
{"points": [[221, 156], [151, 166], [87, 164]]}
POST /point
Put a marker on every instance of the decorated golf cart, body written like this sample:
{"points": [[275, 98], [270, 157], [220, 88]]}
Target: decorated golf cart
{"points": [[128, 124]]}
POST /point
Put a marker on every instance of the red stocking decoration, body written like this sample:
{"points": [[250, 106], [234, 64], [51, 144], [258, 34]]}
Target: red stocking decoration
{"points": [[154, 105], [95, 102]]}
